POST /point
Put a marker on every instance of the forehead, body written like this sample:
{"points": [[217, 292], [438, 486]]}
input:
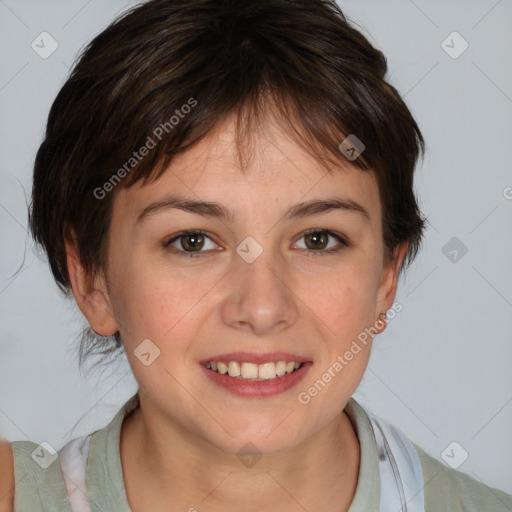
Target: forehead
{"points": [[277, 171]]}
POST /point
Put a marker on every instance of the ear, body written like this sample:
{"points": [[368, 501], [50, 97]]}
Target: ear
{"points": [[92, 297], [387, 288]]}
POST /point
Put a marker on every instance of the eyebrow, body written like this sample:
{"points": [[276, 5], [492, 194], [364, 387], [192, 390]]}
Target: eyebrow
{"points": [[216, 210]]}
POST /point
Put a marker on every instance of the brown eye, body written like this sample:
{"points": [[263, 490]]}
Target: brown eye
{"points": [[319, 240], [192, 242], [189, 243]]}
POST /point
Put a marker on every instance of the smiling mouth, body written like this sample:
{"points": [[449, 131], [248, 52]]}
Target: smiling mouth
{"points": [[251, 371]]}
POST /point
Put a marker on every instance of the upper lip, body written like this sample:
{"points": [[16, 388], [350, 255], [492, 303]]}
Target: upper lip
{"points": [[257, 358]]}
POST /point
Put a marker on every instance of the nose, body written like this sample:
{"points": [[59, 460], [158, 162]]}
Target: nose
{"points": [[261, 297]]}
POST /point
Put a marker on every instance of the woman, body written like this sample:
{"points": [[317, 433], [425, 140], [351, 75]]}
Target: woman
{"points": [[227, 190]]}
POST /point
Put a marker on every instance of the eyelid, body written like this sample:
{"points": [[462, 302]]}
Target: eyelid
{"points": [[338, 236]]}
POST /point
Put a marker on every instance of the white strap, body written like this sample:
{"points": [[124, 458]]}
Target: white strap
{"points": [[73, 464], [401, 477]]}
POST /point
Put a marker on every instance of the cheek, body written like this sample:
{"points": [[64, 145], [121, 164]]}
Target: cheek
{"points": [[344, 316], [164, 312], [162, 304], [344, 302]]}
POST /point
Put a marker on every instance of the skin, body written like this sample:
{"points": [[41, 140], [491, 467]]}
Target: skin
{"points": [[6, 476], [180, 446]]}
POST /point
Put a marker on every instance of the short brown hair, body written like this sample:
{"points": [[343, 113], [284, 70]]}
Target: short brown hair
{"points": [[324, 79]]}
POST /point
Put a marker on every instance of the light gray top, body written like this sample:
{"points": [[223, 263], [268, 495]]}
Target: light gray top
{"points": [[39, 489]]}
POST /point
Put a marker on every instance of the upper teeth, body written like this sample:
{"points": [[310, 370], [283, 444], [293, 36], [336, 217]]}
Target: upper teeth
{"points": [[264, 371]]}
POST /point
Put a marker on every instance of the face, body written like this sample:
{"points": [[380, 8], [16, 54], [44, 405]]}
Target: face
{"points": [[260, 285]]}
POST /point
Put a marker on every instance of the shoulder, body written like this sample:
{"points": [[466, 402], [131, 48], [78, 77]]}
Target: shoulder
{"points": [[6, 476], [449, 489], [38, 478]]}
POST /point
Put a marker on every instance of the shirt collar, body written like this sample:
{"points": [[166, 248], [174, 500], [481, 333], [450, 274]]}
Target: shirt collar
{"points": [[105, 483]]}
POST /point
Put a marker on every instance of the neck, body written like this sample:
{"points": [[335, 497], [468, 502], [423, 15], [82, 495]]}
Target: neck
{"points": [[172, 465]]}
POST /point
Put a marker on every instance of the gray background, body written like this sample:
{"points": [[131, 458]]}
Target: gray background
{"points": [[441, 371]]}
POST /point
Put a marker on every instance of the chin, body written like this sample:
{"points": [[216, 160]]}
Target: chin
{"points": [[261, 437], [255, 447]]}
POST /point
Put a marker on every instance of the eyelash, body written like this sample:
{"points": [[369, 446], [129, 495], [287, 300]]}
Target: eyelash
{"points": [[343, 243]]}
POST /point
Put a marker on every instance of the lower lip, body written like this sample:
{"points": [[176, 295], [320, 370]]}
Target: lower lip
{"points": [[258, 388]]}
